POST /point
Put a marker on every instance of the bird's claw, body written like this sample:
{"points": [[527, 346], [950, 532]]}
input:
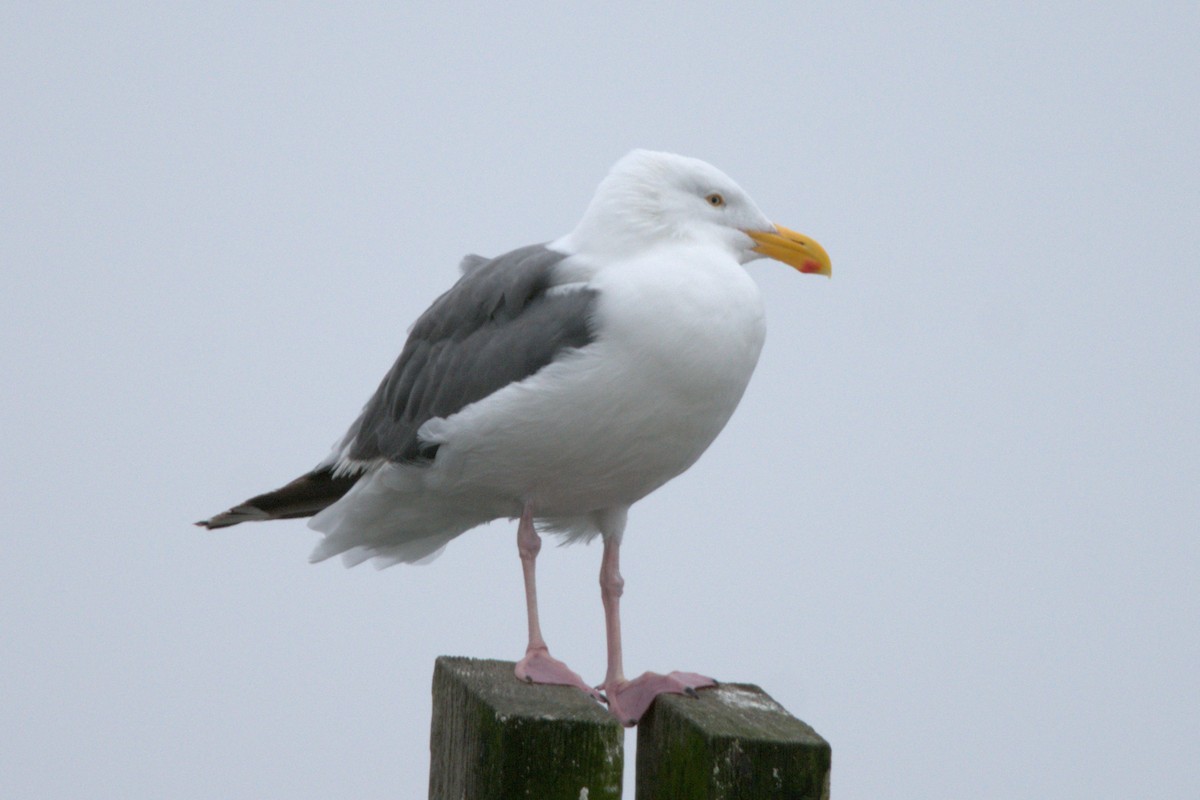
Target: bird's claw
{"points": [[628, 700], [538, 666]]}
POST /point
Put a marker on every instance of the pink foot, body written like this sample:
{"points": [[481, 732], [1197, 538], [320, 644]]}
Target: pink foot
{"points": [[538, 666], [628, 700]]}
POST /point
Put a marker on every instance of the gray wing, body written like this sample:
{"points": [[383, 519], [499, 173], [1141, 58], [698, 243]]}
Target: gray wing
{"points": [[497, 325]]}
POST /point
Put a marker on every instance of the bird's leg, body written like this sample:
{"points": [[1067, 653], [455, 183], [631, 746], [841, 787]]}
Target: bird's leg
{"points": [[612, 586], [529, 544], [538, 666], [628, 700]]}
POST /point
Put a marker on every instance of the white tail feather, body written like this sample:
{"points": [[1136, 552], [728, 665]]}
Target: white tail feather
{"points": [[384, 519]]}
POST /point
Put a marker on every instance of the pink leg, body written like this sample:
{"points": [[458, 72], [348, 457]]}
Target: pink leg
{"points": [[612, 586], [628, 700], [538, 666]]}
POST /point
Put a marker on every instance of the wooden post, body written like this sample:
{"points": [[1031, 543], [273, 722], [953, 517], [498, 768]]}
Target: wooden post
{"points": [[495, 738], [732, 743]]}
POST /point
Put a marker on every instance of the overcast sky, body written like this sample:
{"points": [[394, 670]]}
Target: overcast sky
{"points": [[953, 525]]}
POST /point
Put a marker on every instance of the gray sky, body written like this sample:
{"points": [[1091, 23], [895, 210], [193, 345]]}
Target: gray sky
{"points": [[953, 525]]}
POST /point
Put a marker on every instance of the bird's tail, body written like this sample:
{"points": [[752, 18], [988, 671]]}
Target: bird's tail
{"points": [[303, 497]]}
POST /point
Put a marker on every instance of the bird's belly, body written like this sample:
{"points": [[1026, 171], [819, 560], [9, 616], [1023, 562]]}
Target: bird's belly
{"points": [[608, 424]]}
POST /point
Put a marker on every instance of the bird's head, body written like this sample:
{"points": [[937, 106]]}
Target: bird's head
{"points": [[650, 197]]}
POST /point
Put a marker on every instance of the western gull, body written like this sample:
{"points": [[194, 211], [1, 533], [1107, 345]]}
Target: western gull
{"points": [[559, 384]]}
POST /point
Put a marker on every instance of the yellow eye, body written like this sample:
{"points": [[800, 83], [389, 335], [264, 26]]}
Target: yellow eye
{"points": [[715, 200]]}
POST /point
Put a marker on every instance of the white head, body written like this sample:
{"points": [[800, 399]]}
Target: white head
{"points": [[650, 197]]}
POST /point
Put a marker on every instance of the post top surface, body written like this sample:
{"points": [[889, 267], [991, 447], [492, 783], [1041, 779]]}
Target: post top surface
{"points": [[742, 711], [496, 685]]}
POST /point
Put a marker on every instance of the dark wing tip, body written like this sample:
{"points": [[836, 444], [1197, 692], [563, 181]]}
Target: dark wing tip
{"points": [[235, 515]]}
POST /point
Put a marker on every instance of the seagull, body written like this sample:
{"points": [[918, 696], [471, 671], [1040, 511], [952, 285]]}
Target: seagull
{"points": [[557, 385]]}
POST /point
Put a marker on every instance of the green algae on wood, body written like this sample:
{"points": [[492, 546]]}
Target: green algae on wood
{"points": [[496, 738], [732, 743]]}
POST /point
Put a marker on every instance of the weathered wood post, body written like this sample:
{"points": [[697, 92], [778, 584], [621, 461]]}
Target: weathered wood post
{"points": [[733, 742], [495, 738]]}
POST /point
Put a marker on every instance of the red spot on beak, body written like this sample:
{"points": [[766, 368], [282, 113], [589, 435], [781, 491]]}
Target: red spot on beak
{"points": [[810, 267]]}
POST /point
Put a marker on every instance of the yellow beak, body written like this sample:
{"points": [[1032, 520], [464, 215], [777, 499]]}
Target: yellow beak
{"points": [[794, 249]]}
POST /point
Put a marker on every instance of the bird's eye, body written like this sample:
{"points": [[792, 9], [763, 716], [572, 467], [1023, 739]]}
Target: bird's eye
{"points": [[715, 200]]}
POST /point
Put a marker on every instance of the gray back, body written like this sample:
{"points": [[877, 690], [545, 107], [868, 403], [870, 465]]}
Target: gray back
{"points": [[495, 326]]}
